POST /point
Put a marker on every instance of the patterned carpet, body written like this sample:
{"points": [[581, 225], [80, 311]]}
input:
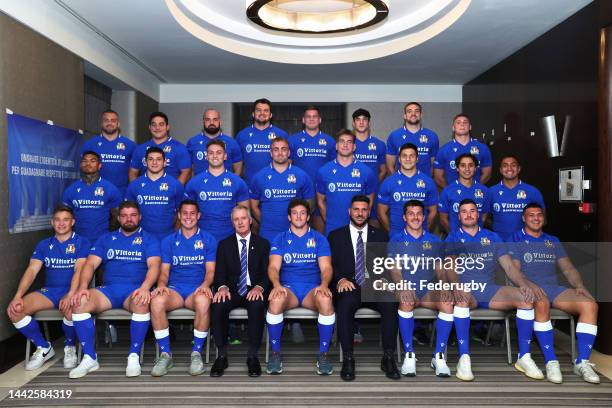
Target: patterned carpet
{"points": [[496, 384]]}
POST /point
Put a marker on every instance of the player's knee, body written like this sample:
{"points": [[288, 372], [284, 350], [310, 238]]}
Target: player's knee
{"points": [[139, 308], [158, 305], [406, 307], [201, 301], [589, 307], [542, 307], [447, 307], [524, 305]]}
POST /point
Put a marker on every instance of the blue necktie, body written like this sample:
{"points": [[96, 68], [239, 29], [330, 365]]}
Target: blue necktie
{"points": [[359, 261], [242, 285]]}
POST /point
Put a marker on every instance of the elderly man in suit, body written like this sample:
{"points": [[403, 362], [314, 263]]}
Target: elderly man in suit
{"points": [[352, 264], [241, 280]]}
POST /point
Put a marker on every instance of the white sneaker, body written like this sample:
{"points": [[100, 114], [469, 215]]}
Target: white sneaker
{"points": [[39, 357], [464, 368], [87, 365], [409, 365], [438, 363], [70, 357], [133, 365], [584, 369], [553, 372], [527, 366]]}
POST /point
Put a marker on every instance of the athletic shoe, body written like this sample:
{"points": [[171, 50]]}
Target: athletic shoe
{"points": [[39, 357], [464, 368], [163, 364], [527, 366], [409, 365], [197, 365], [324, 366], [86, 366], [584, 369], [275, 363], [438, 363], [553, 372], [133, 365], [70, 357], [297, 336]]}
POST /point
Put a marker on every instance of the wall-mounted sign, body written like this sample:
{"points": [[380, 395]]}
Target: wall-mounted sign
{"points": [[570, 184]]}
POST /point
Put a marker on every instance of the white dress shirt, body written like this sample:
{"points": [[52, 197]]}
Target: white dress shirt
{"points": [[248, 242]]}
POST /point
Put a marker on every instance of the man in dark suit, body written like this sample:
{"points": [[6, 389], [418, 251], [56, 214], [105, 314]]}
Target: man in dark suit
{"points": [[241, 280], [352, 269]]}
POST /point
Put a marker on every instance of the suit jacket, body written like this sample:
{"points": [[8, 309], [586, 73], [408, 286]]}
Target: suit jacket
{"points": [[227, 271], [343, 255]]}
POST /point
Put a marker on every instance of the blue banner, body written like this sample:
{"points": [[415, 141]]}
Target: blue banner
{"points": [[43, 160]]}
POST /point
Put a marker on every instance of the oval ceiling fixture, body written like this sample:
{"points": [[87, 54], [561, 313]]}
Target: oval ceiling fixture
{"points": [[317, 16]]}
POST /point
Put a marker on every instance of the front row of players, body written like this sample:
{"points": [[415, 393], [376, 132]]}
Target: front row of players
{"points": [[302, 269]]}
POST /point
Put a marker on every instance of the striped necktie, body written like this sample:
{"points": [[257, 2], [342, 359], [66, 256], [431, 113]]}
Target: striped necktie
{"points": [[360, 261], [242, 285]]}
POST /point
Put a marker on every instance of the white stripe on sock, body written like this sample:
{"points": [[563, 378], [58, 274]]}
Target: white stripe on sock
{"points": [[200, 334], [542, 326], [405, 315], [68, 322], [274, 318], [445, 316], [586, 328], [327, 320], [79, 317], [23, 322], [525, 314], [160, 334], [141, 317], [461, 312]]}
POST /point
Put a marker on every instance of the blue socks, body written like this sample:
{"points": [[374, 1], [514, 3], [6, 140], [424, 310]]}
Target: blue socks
{"points": [[544, 334], [163, 340], [585, 333], [461, 316], [31, 330], [199, 338], [275, 330], [69, 332], [326, 330], [86, 332], [406, 327], [444, 325], [138, 331], [524, 326]]}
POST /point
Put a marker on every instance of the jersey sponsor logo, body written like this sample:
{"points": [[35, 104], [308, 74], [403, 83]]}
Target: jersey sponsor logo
{"points": [[291, 178], [300, 152], [356, 173], [322, 142], [163, 187], [167, 149], [175, 261], [120, 146], [139, 199], [249, 148], [99, 191], [47, 262], [420, 183], [423, 139], [200, 155], [372, 146], [521, 195], [474, 150], [496, 207], [110, 254], [478, 193], [452, 165], [456, 207], [397, 196], [527, 257], [484, 241], [287, 258], [87, 203], [203, 195], [227, 182], [198, 244], [137, 241], [331, 187], [267, 193], [311, 243], [70, 249]]}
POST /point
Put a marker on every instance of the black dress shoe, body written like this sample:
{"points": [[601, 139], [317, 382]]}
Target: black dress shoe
{"points": [[219, 366], [388, 366], [254, 367], [348, 369]]}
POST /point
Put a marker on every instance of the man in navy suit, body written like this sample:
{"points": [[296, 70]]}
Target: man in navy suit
{"points": [[352, 266], [241, 280]]}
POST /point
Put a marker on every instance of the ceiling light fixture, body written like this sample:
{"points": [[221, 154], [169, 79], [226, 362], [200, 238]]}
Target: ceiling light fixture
{"points": [[316, 16]]}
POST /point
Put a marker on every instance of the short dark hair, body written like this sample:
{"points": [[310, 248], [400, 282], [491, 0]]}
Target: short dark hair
{"points": [[413, 103], [155, 149], [532, 205], [128, 204], [262, 101], [343, 132], [409, 146], [108, 111], [159, 114], [279, 139], [296, 202], [360, 198], [462, 115], [361, 112], [466, 155], [414, 203], [467, 201], [91, 152], [510, 156], [312, 107], [63, 208], [188, 202], [215, 142]]}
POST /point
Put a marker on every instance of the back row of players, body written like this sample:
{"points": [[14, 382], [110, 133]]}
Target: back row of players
{"points": [[462, 167]]}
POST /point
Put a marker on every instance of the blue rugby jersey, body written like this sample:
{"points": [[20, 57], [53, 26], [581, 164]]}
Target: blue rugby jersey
{"points": [[426, 141], [507, 206], [274, 191], [177, 156], [538, 256], [60, 258], [310, 153], [255, 146], [197, 150], [187, 257], [445, 159], [426, 246], [116, 156], [91, 205], [455, 192]]}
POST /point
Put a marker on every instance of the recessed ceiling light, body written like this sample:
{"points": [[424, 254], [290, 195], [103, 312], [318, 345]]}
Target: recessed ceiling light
{"points": [[316, 16]]}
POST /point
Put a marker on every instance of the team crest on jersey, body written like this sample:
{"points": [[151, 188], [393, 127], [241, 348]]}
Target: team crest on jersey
{"points": [[167, 149], [426, 245], [137, 241], [356, 173], [322, 142], [163, 187], [478, 193], [452, 164], [291, 178], [420, 183], [198, 244], [484, 241], [311, 243], [372, 146], [200, 155], [548, 243], [99, 192], [120, 146], [70, 249], [423, 139], [474, 150], [227, 182], [521, 195], [271, 136]]}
